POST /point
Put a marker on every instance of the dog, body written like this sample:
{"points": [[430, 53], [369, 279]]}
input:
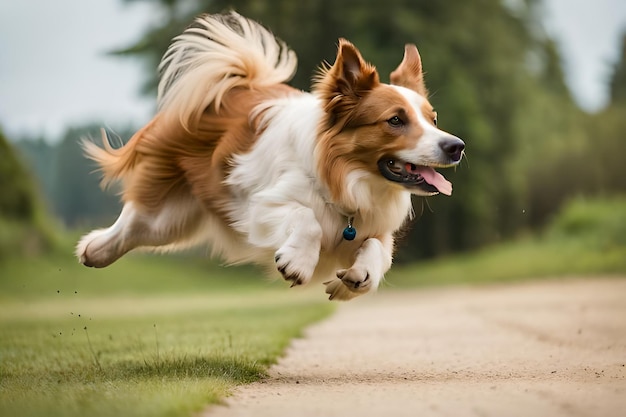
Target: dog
{"points": [[313, 185]]}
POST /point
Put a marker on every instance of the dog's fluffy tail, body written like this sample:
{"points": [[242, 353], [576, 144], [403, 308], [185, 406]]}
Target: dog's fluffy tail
{"points": [[212, 56]]}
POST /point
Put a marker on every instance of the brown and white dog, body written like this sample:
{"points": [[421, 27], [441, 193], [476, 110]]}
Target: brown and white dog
{"points": [[312, 184]]}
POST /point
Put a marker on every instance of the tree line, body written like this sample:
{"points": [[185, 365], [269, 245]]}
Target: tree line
{"points": [[496, 80]]}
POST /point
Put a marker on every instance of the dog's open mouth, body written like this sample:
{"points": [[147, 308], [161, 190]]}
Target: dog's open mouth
{"points": [[413, 176]]}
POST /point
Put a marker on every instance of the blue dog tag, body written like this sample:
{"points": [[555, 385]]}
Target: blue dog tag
{"points": [[349, 233]]}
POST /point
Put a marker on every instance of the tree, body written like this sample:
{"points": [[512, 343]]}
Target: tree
{"points": [[39, 156], [24, 227], [68, 180], [618, 79], [476, 56], [78, 199]]}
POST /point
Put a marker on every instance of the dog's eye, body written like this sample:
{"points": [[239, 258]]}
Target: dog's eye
{"points": [[395, 121], [435, 121]]}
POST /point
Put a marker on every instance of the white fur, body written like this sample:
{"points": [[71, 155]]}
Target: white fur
{"points": [[214, 55], [285, 209]]}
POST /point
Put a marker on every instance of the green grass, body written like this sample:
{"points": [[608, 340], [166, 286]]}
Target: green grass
{"points": [[135, 274], [167, 335], [149, 336], [586, 238], [532, 258]]}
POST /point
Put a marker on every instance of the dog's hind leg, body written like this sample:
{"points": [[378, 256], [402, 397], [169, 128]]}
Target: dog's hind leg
{"points": [[176, 223]]}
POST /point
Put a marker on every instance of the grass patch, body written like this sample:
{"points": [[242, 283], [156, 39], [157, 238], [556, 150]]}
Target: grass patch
{"points": [[150, 336], [512, 262], [154, 364], [587, 237], [135, 274]]}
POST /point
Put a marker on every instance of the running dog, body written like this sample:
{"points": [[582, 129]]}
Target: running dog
{"points": [[313, 185]]}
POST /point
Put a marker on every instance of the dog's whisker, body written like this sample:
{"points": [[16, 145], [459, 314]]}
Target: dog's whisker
{"points": [[465, 159], [428, 205]]}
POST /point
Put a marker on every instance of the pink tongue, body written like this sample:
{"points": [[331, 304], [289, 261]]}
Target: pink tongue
{"points": [[432, 177]]}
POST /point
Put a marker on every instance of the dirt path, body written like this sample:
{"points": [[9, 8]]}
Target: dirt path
{"points": [[542, 349]]}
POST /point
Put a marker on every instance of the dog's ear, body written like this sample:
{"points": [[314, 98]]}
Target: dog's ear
{"points": [[342, 85], [359, 75], [409, 73], [351, 75]]}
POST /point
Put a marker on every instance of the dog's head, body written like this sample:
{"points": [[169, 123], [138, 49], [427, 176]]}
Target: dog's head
{"points": [[383, 132]]}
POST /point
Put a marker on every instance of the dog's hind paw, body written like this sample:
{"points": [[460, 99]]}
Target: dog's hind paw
{"points": [[98, 249]]}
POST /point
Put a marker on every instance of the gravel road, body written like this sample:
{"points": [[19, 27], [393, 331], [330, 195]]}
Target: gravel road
{"points": [[550, 348]]}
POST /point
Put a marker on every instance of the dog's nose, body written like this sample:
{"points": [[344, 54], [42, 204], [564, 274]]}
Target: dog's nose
{"points": [[453, 147]]}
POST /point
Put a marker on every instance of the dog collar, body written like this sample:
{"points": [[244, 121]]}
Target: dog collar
{"points": [[349, 233]]}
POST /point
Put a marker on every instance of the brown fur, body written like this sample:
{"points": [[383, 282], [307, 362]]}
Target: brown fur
{"points": [[164, 157]]}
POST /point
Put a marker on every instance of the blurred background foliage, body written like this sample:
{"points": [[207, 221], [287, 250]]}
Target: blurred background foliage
{"points": [[24, 225], [495, 78]]}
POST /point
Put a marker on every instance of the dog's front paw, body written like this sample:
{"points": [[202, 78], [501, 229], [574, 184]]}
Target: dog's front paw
{"points": [[350, 283], [338, 291], [295, 266], [356, 279]]}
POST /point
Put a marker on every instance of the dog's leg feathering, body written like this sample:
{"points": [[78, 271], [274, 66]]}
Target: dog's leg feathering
{"points": [[176, 223], [373, 259]]}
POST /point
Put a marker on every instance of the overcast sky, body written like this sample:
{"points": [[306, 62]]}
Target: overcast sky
{"points": [[54, 71]]}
